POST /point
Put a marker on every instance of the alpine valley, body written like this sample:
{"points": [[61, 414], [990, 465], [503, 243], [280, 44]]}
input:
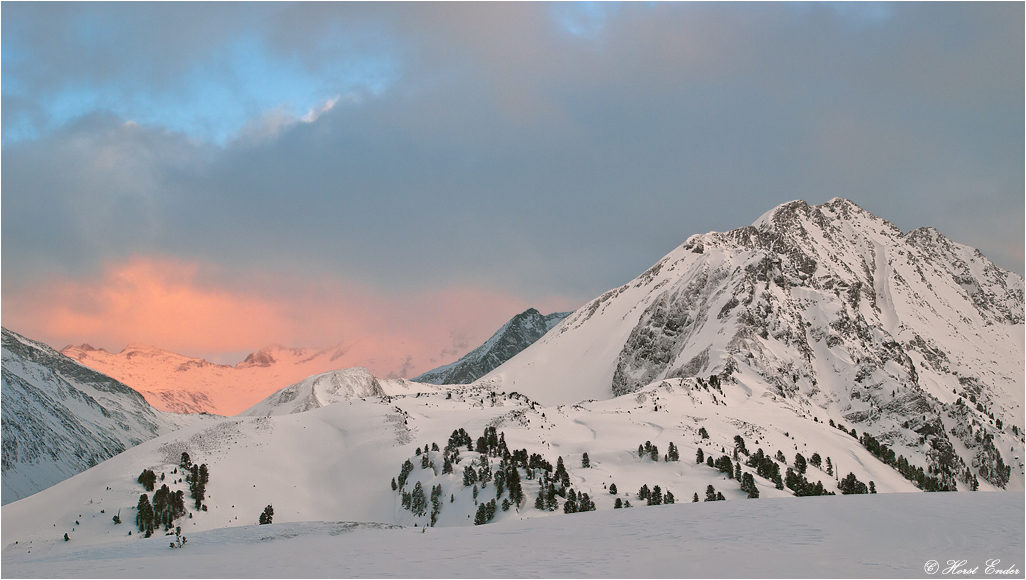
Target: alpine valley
{"points": [[819, 351]]}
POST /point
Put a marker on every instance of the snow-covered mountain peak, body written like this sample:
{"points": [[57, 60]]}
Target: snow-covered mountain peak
{"points": [[828, 306], [333, 387]]}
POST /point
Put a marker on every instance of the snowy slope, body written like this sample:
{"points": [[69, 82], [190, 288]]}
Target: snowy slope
{"points": [[879, 536], [180, 384], [335, 463], [60, 418], [332, 387], [520, 332], [840, 313]]}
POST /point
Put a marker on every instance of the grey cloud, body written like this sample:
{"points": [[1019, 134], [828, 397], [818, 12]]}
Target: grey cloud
{"points": [[511, 154]]}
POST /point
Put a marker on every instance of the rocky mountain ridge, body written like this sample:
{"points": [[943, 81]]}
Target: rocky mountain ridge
{"points": [[520, 332]]}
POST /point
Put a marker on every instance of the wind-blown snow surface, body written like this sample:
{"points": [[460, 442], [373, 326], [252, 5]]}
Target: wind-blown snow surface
{"points": [[518, 333], [60, 418], [889, 536], [827, 309], [180, 384]]}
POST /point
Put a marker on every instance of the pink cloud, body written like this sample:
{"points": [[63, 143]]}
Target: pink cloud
{"points": [[196, 309]]}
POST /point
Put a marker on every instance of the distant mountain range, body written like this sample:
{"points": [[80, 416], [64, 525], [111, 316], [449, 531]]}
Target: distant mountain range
{"points": [[181, 384], [514, 336]]}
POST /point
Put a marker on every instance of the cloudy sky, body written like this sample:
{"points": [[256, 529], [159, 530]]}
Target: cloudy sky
{"points": [[213, 178]]}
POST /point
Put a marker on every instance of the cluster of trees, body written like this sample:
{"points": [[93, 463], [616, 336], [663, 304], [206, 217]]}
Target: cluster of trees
{"points": [[765, 467], [747, 485], [673, 454], [850, 484], [506, 475], [577, 503], [841, 427], [723, 464], [802, 487], [916, 475], [711, 494], [648, 449], [267, 516], [198, 477], [167, 506], [148, 479], [655, 495], [485, 513]]}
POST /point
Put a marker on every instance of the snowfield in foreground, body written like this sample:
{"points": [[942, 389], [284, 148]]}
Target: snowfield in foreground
{"points": [[883, 535]]}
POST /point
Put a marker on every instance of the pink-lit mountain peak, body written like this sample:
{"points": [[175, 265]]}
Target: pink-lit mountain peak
{"points": [[183, 384]]}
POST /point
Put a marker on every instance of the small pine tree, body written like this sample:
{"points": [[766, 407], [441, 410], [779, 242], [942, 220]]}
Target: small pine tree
{"points": [[585, 461], [618, 503], [656, 497], [830, 467], [799, 464], [710, 493], [700, 456], [694, 499], [703, 433], [612, 488], [669, 497], [394, 486], [267, 515]]}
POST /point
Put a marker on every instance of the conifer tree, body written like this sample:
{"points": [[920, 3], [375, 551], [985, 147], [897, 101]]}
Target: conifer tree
{"points": [[739, 445], [695, 498], [656, 497], [700, 456], [267, 516], [799, 464], [710, 493], [612, 489], [585, 461], [185, 462], [643, 492], [144, 515], [418, 501], [469, 476], [618, 503], [669, 497]]}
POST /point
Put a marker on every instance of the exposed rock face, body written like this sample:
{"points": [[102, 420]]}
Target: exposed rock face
{"points": [[514, 336], [61, 418]]}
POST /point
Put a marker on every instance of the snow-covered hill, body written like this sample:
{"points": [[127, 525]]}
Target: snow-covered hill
{"points": [[337, 462], [332, 387], [520, 332], [60, 418], [180, 384], [827, 310]]}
